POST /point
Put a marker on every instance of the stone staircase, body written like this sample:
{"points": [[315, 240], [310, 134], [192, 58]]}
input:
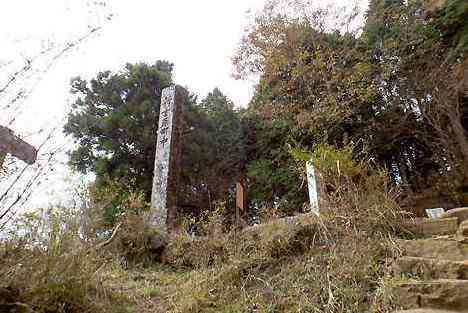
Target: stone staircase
{"points": [[435, 270]]}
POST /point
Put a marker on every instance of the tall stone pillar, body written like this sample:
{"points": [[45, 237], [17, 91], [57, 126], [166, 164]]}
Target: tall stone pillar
{"points": [[167, 163]]}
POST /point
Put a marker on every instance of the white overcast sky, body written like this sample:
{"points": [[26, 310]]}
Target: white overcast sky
{"points": [[199, 37]]}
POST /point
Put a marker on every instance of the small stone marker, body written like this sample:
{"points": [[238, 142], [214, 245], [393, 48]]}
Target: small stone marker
{"points": [[460, 213], [435, 213], [463, 229], [432, 227], [167, 159], [11, 144], [313, 189]]}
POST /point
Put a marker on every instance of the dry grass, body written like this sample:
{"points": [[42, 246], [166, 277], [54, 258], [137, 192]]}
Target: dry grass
{"points": [[46, 267], [336, 263], [272, 275]]}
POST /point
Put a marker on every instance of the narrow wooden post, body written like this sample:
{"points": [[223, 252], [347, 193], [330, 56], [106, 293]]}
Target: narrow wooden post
{"points": [[11, 144], [241, 201]]}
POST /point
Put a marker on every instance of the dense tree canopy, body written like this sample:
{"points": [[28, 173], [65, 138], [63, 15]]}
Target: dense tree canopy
{"points": [[213, 151], [388, 89]]}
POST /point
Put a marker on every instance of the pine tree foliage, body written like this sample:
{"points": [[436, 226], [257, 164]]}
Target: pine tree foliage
{"points": [[114, 122]]}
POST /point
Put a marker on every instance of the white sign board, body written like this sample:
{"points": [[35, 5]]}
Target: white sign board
{"points": [[435, 213], [312, 184]]}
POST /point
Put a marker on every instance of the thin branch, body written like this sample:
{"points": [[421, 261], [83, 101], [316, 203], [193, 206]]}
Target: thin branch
{"points": [[111, 239]]}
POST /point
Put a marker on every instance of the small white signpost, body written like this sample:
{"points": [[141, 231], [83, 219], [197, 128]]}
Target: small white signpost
{"points": [[313, 191], [435, 213]]}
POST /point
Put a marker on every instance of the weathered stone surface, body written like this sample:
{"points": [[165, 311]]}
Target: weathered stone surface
{"points": [[427, 268], [450, 250], [431, 227], [167, 159], [463, 229], [460, 213], [11, 144], [445, 294]]}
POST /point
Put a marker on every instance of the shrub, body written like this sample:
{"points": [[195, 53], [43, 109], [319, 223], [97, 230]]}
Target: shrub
{"points": [[137, 242], [52, 268]]}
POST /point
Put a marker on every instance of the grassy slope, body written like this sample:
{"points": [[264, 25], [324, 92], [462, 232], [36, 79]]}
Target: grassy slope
{"points": [[305, 266], [338, 263]]}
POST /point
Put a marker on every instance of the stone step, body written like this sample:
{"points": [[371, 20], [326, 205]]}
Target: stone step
{"points": [[460, 213], [426, 310], [426, 268], [432, 227], [448, 294], [444, 249]]}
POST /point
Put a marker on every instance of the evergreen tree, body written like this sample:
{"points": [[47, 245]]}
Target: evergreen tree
{"points": [[213, 152], [114, 123]]}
